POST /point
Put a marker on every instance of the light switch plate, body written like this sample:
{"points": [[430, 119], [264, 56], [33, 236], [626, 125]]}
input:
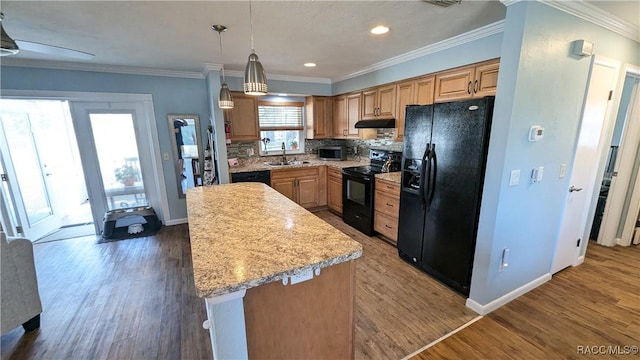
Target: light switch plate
{"points": [[563, 170], [514, 179]]}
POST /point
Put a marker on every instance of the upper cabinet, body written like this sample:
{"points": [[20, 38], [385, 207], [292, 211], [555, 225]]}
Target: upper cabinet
{"points": [[467, 82], [379, 103], [243, 118], [346, 112], [319, 116], [412, 92]]}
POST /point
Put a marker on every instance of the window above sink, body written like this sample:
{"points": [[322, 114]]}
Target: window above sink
{"points": [[281, 122]]}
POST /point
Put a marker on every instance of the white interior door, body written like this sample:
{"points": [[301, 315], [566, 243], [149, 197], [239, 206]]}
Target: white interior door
{"points": [[617, 226], [28, 178], [116, 155], [591, 141]]}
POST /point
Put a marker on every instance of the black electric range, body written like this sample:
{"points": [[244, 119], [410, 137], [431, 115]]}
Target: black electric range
{"points": [[358, 188]]}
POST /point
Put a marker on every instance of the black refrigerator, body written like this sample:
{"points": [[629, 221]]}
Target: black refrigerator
{"points": [[443, 165]]}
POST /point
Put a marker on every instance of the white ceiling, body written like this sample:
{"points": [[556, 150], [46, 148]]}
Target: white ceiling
{"points": [[177, 35]]}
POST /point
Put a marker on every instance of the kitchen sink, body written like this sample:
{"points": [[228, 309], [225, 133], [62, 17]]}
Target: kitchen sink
{"points": [[279, 163]]}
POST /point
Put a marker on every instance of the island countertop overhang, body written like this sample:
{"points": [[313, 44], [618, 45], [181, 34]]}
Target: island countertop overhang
{"points": [[247, 234]]}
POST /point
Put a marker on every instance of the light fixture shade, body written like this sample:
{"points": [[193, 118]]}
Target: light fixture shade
{"points": [[225, 101], [7, 46], [255, 81]]}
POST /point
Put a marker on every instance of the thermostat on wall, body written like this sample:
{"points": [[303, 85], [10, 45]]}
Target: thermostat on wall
{"points": [[536, 133]]}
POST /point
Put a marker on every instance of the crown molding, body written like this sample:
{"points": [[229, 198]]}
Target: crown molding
{"points": [[473, 35], [291, 78], [60, 65], [592, 14], [211, 67]]}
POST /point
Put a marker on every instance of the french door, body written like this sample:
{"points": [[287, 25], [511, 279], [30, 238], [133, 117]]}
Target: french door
{"points": [[29, 184], [115, 154]]}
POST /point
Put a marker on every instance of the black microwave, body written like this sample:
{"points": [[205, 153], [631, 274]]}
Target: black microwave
{"points": [[336, 153]]}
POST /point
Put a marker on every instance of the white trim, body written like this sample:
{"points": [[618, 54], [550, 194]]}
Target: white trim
{"points": [[75, 95], [290, 78], [172, 222], [473, 35], [442, 338], [156, 161], [579, 261], [493, 305], [592, 14], [208, 67], [131, 70], [226, 297]]}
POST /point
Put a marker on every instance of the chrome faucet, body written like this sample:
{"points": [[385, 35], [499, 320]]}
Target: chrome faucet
{"points": [[284, 156]]}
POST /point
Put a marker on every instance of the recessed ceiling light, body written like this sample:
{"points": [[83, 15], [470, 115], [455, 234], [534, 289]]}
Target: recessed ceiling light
{"points": [[379, 30], [310, 64], [282, 94]]}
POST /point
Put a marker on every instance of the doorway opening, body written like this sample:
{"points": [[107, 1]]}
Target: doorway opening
{"points": [[44, 183], [617, 217]]}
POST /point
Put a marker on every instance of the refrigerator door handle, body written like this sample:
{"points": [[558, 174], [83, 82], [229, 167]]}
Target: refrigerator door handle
{"points": [[423, 171], [432, 182]]}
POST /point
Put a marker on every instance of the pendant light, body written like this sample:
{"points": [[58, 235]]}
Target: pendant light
{"points": [[7, 46], [255, 82], [225, 101]]}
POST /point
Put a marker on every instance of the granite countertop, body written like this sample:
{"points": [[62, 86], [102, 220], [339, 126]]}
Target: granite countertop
{"points": [[393, 177], [257, 166], [244, 235]]}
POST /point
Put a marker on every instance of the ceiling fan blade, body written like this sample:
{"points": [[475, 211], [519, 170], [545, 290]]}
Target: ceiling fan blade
{"points": [[53, 50]]}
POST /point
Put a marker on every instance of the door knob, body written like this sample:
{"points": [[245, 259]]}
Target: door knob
{"points": [[573, 188]]}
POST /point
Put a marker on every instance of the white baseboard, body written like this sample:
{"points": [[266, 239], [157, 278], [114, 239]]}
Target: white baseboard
{"points": [[493, 305], [579, 261], [176, 222]]}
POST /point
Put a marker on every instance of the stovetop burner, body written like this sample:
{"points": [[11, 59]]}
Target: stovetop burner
{"points": [[365, 170]]}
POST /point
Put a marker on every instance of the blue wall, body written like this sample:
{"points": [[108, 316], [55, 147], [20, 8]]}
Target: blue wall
{"points": [[539, 83]]}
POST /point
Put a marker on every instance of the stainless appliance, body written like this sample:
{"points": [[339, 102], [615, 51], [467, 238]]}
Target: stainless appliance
{"points": [[336, 153], [443, 166], [358, 187]]}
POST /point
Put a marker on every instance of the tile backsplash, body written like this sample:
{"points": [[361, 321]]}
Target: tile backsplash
{"points": [[384, 140]]}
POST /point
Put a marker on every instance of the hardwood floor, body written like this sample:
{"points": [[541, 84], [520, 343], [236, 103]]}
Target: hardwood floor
{"points": [[134, 299], [594, 304]]}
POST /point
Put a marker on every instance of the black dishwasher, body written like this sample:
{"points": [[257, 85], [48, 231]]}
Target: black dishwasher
{"points": [[263, 176]]}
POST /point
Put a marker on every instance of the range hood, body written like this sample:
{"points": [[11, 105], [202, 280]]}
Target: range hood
{"points": [[376, 124]]}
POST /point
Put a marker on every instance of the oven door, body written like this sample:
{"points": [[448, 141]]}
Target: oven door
{"points": [[357, 193]]}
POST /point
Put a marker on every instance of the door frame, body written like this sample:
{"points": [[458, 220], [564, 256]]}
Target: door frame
{"points": [[603, 155], [619, 187], [156, 187]]}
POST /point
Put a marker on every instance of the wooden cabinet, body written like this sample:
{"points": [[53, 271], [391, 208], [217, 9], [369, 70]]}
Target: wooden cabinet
{"points": [[412, 92], [305, 186], [339, 116], [334, 189], [346, 112], [379, 103], [243, 118], [319, 115], [467, 82], [387, 209]]}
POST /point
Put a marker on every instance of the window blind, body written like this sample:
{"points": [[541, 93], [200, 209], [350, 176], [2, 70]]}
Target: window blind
{"points": [[280, 116]]}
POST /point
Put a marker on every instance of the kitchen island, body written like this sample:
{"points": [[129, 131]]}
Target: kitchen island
{"points": [[278, 282]]}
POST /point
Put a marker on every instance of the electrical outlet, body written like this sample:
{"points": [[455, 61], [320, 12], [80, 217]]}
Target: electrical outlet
{"points": [[504, 261], [165, 156], [563, 170]]}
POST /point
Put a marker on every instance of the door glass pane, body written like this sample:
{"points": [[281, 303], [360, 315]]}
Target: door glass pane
{"points": [[356, 192], [27, 166], [115, 140]]}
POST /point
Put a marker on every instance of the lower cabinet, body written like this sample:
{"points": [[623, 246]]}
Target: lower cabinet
{"points": [[305, 186], [387, 209], [334, 189]]}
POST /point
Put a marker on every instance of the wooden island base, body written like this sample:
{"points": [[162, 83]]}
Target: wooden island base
{"points": [[311, 319]]}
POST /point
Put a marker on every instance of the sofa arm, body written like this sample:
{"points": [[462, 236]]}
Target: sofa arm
{"points": [[19, 288]]}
